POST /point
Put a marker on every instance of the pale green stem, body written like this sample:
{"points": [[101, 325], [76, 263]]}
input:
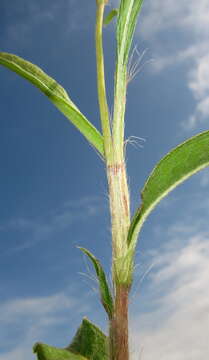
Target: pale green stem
{"points": [[119, 111], [118, 198], [104, 112], [116, 170]]}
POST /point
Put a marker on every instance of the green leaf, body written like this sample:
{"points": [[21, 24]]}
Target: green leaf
{"points": [[106, 296], [56, 93], [127, 18], [178, 165], [110, 17], [46, 352], [89, 343]]}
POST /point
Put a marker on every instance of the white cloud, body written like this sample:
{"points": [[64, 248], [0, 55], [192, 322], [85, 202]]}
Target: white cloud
{"points": [[189, 23], [198, 77], [163, 14], [176, 327], [198, 82], [37, 306], [24, 321]]}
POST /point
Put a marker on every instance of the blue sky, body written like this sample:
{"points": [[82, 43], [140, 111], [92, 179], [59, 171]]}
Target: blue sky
{"points": [[53, 187]]}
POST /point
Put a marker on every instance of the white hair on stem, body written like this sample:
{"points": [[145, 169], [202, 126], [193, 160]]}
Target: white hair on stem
{"points": [[135, 63], [136, 141]]}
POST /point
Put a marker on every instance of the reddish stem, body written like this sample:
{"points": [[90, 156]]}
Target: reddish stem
{"points": [[119, 347]]}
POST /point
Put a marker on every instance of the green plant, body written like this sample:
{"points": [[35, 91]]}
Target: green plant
{"points": [[182, 162]]}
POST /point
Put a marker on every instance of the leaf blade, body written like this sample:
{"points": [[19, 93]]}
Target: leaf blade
{"points": [[56, 93], [106, 296], [110, 16], [47, 352], [169, 172], [90, 342]]}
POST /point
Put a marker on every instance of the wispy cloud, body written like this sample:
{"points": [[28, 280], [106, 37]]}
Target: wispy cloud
{"points": [[199, 85], [164, 14], [187, 23], [26, 320], [27, 16], [34, 230], [175, 326]]}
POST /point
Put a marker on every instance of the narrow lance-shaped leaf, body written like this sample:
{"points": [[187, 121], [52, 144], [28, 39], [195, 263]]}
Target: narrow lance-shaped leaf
{"points": [[56, 93], [178, 165], [110, 17], [106, 296]]}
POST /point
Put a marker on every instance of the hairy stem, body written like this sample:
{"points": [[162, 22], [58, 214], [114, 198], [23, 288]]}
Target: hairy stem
{"points": [[119, 111], [120, 218], [118, 199]]}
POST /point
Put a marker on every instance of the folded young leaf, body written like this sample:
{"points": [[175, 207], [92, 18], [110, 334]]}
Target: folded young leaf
{"points": [[105, 293], [178, 165], [110, 17], [89, 343], [127, 17], [126, 22], [56, 93]]}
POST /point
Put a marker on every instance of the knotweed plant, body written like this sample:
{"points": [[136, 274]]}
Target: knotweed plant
{"points": [[180, 163]]}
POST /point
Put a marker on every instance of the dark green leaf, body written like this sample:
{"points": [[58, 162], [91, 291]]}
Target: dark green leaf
{"points": [[89, 343], [106, 296], [178, 165], [56, 93], [46, 352]]}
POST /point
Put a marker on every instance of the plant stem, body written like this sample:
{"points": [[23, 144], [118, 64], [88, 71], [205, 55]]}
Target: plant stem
{"points": [[119, 110], [119, 203], [118, 334], [120, 218]]}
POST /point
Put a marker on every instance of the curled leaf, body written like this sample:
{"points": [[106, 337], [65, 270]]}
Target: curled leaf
{"points": [[106, 296]]}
